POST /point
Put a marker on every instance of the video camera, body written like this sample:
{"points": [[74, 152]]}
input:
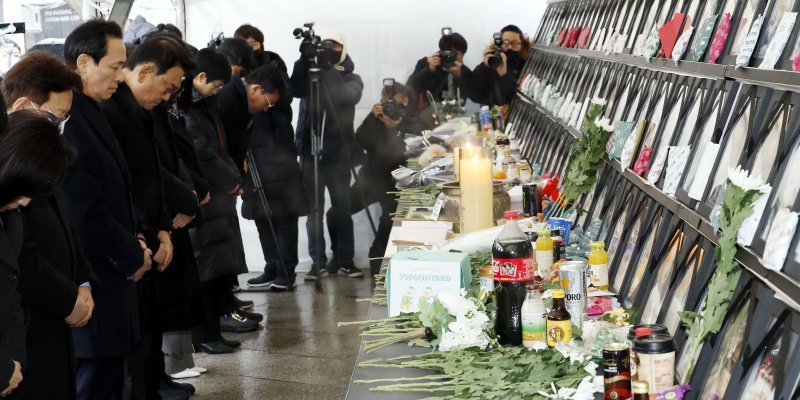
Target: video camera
{"points": [[391, 109], [496, 60], [447, 54], [216, 41], [312, 48]]}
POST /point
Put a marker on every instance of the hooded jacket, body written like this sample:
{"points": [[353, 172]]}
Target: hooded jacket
{"points": [[485, 87], [340, 91]]}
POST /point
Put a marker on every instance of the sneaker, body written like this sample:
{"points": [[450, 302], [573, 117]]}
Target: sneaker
{"points": [[332, 267], [243, 304], [262, 280], [229, 342], [253, 316], [351, 271], [280, 285], [199, 370], [314, 274], [234, 322]]}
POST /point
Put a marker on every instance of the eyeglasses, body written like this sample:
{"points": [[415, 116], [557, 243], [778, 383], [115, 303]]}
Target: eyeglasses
{"points": [[511, 43], [170, 88], [266, 97], [51, 116]]}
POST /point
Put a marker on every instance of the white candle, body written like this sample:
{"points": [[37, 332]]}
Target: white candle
{"points": [[476, 194]]}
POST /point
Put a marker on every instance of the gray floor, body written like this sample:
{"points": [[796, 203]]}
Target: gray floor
{"points": [[298, 352]]}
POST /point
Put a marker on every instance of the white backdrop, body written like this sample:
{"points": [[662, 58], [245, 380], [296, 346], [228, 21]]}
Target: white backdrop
{"points": [[384, 38]]}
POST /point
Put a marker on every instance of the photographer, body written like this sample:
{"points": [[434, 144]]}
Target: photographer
{"points": [[433, 73], [340, 91], [495, 80], [381, 135]]}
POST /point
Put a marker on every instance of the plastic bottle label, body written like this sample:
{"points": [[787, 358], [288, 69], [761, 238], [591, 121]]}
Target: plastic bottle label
{"points": [[599, 274], [534, 326], [512, 269], [558, 331], [544, 261]]}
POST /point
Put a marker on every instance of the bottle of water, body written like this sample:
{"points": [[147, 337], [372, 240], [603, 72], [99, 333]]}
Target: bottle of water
{"points": [[486, 119]]}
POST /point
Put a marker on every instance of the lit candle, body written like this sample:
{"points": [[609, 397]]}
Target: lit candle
{"points": [[476, 193]]}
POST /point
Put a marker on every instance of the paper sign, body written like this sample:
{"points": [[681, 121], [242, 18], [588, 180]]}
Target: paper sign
{"points": [[668, 34], [651, 45], [748, 230], [718, 44], [703, 38], [749, 44], [777, 45], [681, 45], [437, 207], [780, 239]]}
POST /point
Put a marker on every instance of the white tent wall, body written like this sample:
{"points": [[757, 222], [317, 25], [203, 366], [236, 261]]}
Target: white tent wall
{"points": [[384, 39]]}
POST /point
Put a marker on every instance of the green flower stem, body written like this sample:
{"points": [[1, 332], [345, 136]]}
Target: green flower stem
{"points": [[420, 378]]}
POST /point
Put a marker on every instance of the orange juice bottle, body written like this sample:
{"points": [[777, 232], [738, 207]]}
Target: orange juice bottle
{"points": [[598, 264], [544, 254]]}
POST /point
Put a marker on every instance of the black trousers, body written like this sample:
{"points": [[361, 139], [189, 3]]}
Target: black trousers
{"points": [[217, 301], [336, 178], [378, 248], [286, 232], [100, 378], [144, 368]]}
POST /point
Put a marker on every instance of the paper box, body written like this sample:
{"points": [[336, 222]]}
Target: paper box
{"points": [[417, 275]]}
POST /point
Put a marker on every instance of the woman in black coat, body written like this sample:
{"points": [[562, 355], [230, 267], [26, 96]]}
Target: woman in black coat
{"points": [[33, 162]]}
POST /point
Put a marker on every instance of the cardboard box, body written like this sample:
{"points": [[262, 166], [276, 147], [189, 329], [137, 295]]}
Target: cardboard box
{"points": [[417, 275]]}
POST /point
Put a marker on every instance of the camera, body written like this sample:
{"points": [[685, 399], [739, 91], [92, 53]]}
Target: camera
{"points": [[216, 41], [391, 109], [495, 60], [447, 54], [312, 48]]}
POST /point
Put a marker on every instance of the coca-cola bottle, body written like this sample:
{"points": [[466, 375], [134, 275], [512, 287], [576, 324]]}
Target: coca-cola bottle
{"points": [[512, 265]]}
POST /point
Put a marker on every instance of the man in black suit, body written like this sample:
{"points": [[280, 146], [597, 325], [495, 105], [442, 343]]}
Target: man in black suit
{"points": [[152, 74], [97, 197], [55, 282]]}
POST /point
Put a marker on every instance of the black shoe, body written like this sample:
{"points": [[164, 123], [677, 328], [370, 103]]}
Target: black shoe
{"points": [[234, 322], [183, 387], [314, 274], [243, 304], [251, 315], [231, 343], [168, 393], [332, 267], [281, 285], [351, 270], [263, 280], [216, 348]]}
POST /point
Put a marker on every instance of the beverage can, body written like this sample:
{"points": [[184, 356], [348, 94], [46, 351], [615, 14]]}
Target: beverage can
{"points": [[616, 371], [573, 280]]}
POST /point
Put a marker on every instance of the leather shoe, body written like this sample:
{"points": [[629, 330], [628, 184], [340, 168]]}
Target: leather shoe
{"points": [[243, 304], [232, 343], [216, 348]]}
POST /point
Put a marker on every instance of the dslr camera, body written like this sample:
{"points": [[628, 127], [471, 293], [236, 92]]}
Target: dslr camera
{"points": [[447, 55], [495, 60], [391, 109], [312, 48]]}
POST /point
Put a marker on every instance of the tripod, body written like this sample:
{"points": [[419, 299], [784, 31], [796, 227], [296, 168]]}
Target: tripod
{"points": [[317, 120], [262, 197]]}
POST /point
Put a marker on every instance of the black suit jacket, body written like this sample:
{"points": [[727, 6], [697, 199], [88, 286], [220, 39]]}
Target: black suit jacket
{"points": [[96, 198], [53, 266], [12, 320]]}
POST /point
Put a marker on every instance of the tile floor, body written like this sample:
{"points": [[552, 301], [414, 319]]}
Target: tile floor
{"points": [[298, 352]]}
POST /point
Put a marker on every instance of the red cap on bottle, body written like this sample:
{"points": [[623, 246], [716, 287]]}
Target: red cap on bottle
{"points": [[511, 215], [643, 332]]}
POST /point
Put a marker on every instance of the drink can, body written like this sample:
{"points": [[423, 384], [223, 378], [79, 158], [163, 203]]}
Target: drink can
{"points": [[616, 371], [573, 280]]}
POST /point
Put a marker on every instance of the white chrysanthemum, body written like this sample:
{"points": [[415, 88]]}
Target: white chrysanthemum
{"points": [[599, 101], [747, 182], [604, 124], [431, 153]]}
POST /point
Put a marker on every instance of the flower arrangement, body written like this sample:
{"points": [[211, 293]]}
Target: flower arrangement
{"points": [[585, 158]]}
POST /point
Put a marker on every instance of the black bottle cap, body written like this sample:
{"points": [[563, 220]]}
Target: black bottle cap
{"points": [[654, 344]]}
